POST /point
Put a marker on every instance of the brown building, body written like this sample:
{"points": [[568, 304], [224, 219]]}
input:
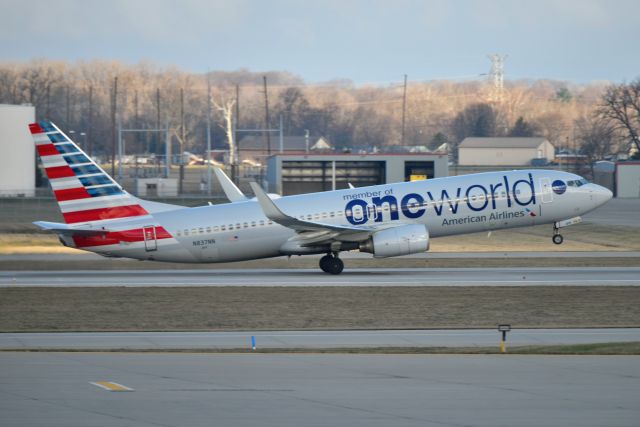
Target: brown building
{"points": [[255, 148]]}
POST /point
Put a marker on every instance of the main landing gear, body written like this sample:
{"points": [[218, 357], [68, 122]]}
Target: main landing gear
{"points": [[331, 264]]}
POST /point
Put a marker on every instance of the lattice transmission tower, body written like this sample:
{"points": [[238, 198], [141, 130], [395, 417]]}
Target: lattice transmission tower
{"points": [[496, 76]]}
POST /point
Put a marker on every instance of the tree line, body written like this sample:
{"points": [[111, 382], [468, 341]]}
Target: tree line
{"points": [[597, 119]]}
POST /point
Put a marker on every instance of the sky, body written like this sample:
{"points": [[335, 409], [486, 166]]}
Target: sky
{"points": [[368, 42]]}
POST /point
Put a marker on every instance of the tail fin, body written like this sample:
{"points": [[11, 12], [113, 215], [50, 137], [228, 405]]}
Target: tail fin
{"points": [[84, 191]]}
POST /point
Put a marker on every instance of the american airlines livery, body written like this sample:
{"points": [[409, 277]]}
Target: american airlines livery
{"points": [[385, 220]]}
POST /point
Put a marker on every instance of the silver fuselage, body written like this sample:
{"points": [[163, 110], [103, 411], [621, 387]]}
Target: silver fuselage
{"points": [[446, 206]]}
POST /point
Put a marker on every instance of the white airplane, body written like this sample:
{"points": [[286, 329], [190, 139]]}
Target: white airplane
{"points": [[385, 220]]}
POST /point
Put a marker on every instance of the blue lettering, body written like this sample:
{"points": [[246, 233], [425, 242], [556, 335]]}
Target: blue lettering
{"points": [[493, 188], [506, 187], [406, 206], [351, 210], [483, 197], [453, 207], [532, 197], [393, 207]]}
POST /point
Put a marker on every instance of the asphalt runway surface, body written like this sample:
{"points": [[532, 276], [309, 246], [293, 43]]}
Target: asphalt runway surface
{"points": [[541, 276], [310, 339], [74, 389]]}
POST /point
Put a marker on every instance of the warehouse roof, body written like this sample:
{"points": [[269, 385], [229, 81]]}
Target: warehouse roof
{"points": [[506, 142]]}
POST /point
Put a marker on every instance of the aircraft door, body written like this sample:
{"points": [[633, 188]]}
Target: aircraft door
{"points": [[545, 190], [150, 241]]}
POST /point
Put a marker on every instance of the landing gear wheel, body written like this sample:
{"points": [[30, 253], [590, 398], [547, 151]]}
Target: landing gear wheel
{"points": [[324, 263], [335, 265], [557, 239]]}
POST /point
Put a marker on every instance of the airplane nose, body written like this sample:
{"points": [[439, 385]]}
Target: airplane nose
{"points": [[602, 194]]}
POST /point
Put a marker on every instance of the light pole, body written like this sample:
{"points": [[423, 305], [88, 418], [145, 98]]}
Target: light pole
{"points": [[72, 133]]}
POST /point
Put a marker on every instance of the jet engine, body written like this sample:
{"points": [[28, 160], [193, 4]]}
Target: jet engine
{"points": [[402, 240]]}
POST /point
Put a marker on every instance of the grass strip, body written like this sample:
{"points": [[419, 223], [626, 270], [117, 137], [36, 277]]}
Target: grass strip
{"points": [[185, 308], [598, 349]]}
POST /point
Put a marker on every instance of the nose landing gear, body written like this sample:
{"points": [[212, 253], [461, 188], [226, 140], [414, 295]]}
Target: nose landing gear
{"points": [[557, 237], [331, 264]]}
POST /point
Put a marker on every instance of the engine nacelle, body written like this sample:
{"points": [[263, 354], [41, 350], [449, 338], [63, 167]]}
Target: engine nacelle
{"points": [[403, 240]]}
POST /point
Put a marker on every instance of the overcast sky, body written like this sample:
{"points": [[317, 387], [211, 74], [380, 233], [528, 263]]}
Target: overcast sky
{"points": [[319, 40]]}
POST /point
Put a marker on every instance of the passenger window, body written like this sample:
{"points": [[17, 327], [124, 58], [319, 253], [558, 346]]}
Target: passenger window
{"points": [[194, 231], [223, 228], [178, 233], [245, 225], [261, 223], [332, 214], [186, 232], [201, 230], [215, 229], [270, 222], [208, 229], [238, 225], [230, 226], [253, 223]]}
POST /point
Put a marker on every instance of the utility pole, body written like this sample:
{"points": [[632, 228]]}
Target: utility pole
{"points": [[235, 130], [182, 137], [208, 135], [114, 106], [68, 120], [266, 113], [158, 119], [90, 127], [48, 102], [404, 108]]}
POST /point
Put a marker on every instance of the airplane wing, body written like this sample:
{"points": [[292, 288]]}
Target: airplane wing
{"points": [[66, 229], [232, 192], [309, 231]]}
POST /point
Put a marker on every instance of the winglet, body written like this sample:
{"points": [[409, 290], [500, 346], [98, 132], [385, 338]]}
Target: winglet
{"points": [[232, 192], [269, 208]]}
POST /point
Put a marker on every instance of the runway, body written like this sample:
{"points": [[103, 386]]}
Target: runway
{"points": [[542, 276], [310, 339], [74, 389]]}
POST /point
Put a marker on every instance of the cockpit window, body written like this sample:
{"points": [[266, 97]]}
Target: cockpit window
{"points": [[577, 182]]}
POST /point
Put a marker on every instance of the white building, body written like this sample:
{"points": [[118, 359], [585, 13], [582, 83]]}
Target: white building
{"points": [[504, 151], [627, 179], [17, 163]]}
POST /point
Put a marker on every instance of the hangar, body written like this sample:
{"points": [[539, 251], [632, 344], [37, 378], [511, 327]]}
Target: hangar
{"points": [[507, 151], [307, 173]]}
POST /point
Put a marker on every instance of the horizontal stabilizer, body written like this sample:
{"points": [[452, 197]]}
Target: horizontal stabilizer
{"points": [[67, 230]]}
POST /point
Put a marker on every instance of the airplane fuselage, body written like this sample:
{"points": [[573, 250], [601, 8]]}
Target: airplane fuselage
{"points": [[445, 206]]}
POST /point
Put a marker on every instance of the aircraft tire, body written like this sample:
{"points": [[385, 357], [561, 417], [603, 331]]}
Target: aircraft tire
{"points": [[335, 266], [557, 239], [324, 263]]}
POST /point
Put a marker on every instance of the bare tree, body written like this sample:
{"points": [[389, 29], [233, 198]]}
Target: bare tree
{"points": [[621, 105], [225, 106], [596, 137]]}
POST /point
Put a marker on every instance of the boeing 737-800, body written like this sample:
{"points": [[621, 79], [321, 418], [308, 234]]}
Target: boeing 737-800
{"points": [[385, 220]]}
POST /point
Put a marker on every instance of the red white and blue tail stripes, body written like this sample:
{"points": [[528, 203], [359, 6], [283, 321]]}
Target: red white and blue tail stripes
{"points": [[83, 190], [87, 195]]}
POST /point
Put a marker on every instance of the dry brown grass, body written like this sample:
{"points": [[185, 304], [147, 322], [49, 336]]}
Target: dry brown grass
{"points": [[269, 308]]}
